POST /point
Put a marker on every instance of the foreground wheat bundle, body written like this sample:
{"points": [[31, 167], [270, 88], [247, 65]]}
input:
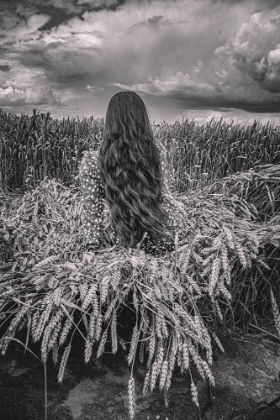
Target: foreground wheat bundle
{"points": [[260, 187], [177, 301]]}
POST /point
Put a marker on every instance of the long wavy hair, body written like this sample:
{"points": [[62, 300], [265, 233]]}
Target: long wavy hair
{"points": [[130, 166]]}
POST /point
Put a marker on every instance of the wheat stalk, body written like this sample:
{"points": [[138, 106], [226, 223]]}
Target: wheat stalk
{"points": [[131, 397], [275, 311], [63, 363]]}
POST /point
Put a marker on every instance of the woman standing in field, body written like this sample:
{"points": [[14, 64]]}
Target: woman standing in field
{"points": [[128, 172]]}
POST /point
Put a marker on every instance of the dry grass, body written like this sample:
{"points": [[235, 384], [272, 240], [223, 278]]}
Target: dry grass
{"points": [[258, 186]]}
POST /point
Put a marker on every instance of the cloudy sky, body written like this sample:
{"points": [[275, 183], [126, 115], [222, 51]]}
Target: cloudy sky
{"points": [[186, 58]]}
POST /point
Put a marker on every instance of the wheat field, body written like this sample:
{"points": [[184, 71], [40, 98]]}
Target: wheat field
{"points": [[224, 271], [33, 147]]}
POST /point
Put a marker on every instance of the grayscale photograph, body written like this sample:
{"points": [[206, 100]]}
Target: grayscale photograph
{"points": [[140, 210]]}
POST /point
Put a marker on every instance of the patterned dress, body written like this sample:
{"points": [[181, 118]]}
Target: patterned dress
{"points": [[95, 207]]}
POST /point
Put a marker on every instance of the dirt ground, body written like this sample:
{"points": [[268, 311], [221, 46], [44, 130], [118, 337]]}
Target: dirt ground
{"points": [[247, 376]]}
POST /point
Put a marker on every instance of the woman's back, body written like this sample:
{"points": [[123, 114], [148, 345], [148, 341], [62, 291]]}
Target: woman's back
{"points": [[129, 172], [95, 207]]}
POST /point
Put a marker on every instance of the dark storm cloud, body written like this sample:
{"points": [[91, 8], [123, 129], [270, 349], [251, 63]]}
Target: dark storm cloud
{"points": [[261, 70], [58, 16], [5, 68], [114, 6], [61, 68], [153, 22], [39, 57], [219, 102], [198, 54], [260, 4], [15, 12], [97, 5]]}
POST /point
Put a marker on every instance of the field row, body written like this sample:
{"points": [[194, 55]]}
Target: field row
{"points": [[37, 146]]}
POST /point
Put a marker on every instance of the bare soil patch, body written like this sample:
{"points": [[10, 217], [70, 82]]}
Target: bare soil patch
{"points": [[247, 375]]}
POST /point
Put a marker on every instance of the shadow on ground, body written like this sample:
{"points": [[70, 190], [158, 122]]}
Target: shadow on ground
{"points": [[246, 375]]}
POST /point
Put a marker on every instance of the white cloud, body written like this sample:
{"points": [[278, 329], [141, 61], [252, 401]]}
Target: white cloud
{"points": [[221, 73], [273, 56], [10, 94], [36, 96], [254, 50], [73, 37], [157, 86], [42, 95], [93, 88]]}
